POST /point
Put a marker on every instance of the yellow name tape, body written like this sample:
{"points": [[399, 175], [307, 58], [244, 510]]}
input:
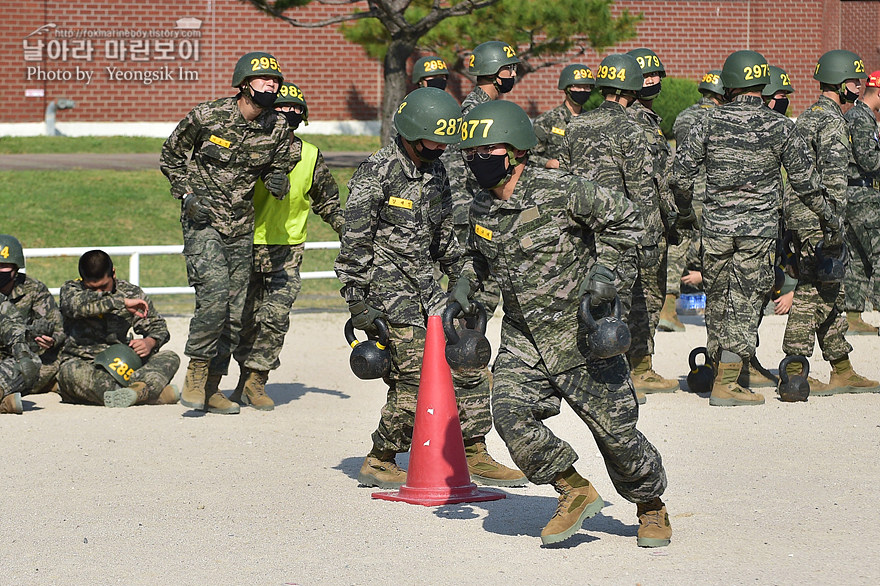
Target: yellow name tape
{"points": [[559, 131], [219, 141], [483, 232], [399, 202]]}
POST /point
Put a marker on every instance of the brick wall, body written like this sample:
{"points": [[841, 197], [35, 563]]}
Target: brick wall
{"points": [[340, 82]]}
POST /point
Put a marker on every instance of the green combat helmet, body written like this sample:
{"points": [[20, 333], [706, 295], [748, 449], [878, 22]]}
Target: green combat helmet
{"points": [[711, 82], [498, 122], [779, 82], [10, 251], [120, 361], [291, 95], [429, 67], [648, 61], [620, 71], [835, 67], [428, 113], [489, 57], [255, 64], [744, 69], [575, 74]]}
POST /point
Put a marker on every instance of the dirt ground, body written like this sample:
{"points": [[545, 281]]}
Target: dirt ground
{"points": [[777, 494]]}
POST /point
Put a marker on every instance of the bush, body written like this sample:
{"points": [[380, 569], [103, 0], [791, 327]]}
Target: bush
{"points": [[677, 95]]}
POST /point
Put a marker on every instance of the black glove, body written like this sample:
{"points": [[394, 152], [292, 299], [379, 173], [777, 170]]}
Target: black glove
{"points": [[648, 256], [278, 185], [195, 209], [686, 219], [599, 283], [461, 293], [362, 315]]}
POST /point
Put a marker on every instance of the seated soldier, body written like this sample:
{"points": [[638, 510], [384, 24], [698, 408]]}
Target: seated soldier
{"points": [[44, 329], [98, 311], [19, 365]]}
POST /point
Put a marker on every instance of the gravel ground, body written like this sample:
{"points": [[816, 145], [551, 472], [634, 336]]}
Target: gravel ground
{"points": [[777, 494]]}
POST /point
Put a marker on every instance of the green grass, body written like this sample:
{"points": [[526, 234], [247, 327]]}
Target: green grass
{"points": [[98, 208], [139, 144]]}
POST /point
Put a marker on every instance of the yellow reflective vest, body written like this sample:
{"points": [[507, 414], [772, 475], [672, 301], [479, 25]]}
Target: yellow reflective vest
{"points": [[284, 222]]}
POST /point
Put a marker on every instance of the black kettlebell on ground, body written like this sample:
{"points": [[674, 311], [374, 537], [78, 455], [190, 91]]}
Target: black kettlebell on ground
{"points": [[468, 348], [701, 378], [794, 387], [608, 336], [370, 359]]}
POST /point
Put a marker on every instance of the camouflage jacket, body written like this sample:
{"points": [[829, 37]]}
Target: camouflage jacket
{"points": [[742, 144], [659, 155], [36, 304], [826, 133], [229, 154], [539, 245], [607, 146], [685, 121], [550, 130], [13, 345], [865, 162], [94, 320], [461, 181], [398, 224]]}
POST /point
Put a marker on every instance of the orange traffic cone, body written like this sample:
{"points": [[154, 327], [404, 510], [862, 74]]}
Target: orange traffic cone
{"points": [[438, 472]]}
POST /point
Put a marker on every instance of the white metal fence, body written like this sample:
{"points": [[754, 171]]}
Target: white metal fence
{"points": [[134, 263]]}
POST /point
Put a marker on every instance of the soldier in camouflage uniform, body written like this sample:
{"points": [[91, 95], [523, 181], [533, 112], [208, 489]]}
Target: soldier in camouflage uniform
{"points": [[577, 82], [863, 209], [652, 273], [234, 141], [742, 145], [98, 311], [817, 310], [19, 365], [44, 327], [712, 91], [398, 226], [534, 230], [430, 71], [279, 242]]}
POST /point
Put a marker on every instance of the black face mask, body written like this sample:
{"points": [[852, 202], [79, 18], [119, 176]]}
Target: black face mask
{"points": [[264, 100], [849, 96], [650, 92], [5, 278], [781, 105], [437, 82], [427, 155], [579, 98], [490, 172], [504, 84], [293, 119]]}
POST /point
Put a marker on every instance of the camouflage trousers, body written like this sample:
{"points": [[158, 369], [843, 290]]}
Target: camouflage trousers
{"points": [[816, 310], [642, 293], [737, 273], [50, 361], [219, 268], [490, 295], [273, 288], [863, 241], [81, 381], [11, 376], [407, 346], [677, 261], [601, 394]]}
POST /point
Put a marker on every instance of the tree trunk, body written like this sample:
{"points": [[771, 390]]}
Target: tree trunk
{"points": [[395, 83]]}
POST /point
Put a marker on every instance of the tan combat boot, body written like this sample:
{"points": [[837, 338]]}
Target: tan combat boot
{"points": [[169, 396], [727, 393], [255, 391], [11, 403], [578, 501], [754, 376], [817, 387], [856, 326], [193, 395], [647, 381], [669, 321], [845, 380], [235, 397], [641, 398], [215, 400], [380, 470], [654, 528], [126, 397], [485, 470]]}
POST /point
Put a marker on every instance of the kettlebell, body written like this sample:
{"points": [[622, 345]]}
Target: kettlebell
{"points": [[830, 269], [607, 336], [701, 378], [370, 359], [468, 348], [795, 387]]}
